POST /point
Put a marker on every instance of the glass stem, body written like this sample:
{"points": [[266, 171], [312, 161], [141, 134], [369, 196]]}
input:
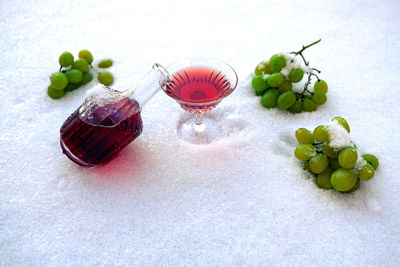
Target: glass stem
{"points": [[199, 125]]}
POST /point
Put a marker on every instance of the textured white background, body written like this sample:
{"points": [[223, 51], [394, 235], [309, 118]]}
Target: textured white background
{"points": [[240, 201]]}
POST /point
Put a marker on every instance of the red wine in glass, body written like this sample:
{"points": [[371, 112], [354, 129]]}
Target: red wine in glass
{"points": [[96, 139], [198, 89]]}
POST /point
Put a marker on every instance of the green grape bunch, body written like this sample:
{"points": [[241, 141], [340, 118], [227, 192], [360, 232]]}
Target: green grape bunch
{"points": [[332, 158], [74, 73], [277, 82]]}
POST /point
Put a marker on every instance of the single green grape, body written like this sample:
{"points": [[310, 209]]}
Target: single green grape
{"points": [[354, 188], [85, 54], [71, 87], [329, 151], [275, 79], [277, 63], [305, 152], [74, 76], [285, 86], [286, 100], [86, 78], [321, 86], [296, 75], [319, 97], [259, 70], [66, 59], [343, 180], [321, 134], [348, 157], [259, 84], [81, 64], [366, 172], [324, 179], [334, 164], [319, 163], [371, 159], [304, 136], [59, 80], [54, 93], [268, 100], [106, 63], [296, 108], [309, 105], [105, 78], [342, 122]]}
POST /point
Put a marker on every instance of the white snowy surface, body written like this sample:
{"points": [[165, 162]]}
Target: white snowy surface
{"points": [[240, 201]]}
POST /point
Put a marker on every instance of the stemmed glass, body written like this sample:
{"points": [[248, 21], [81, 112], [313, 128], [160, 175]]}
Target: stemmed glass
{"points": [[199, 85]]}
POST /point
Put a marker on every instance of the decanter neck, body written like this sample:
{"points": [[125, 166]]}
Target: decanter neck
{"points": [[145, 88]]}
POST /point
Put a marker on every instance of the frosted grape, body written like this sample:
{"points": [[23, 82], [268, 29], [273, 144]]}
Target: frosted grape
{"points": [[73, 75], [58, 80], [262, 68], [342, 122], [286, 100], [321, 134], [259, 84], [309, 105], [371, 159], [305, 152], [275, 79], [296, 75], [321, 86], [106, 63], [105, 78], [304, 136], [268, 100], [329, 151], [366, 172], [343, 180], [296, 108], [348, 157], [81, 64], [354, 188], [85, 54], [277, 63], [318, 163], [319, 97], [66, 59], [86, 78], [285, 86], [324, 179], [54, 93]]}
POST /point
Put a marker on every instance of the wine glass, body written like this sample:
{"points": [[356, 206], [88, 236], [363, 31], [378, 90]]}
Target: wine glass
{"points": [[199, 85]]}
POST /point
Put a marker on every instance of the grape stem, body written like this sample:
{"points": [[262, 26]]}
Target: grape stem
{"points": [[310, 74], [300, 52], [317, 70], [60, 68], [305, 47], [315, 76], [306, 85]]}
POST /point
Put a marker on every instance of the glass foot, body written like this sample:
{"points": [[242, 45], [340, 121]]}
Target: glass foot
{"points": [[197, 131]]}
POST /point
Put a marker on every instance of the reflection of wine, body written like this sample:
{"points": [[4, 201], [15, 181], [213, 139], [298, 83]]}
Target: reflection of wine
{"points": [[198, 89], [96, 140]]}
